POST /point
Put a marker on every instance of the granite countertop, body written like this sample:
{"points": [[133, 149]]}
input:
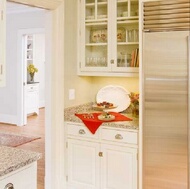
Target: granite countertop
{"points": [[12, 159], [69, 116]]}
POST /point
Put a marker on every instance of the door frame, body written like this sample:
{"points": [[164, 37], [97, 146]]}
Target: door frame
{"points": [[55, 148], [21, 74]]}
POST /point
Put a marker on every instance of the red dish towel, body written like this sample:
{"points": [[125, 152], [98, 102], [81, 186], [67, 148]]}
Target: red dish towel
{"points": [[93, 123]]}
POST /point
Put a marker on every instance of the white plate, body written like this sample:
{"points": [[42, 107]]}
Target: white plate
{"points": [[115, 94], [103, 118]]}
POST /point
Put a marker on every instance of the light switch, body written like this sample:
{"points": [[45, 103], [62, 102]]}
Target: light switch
{"points": [[71, 94]]}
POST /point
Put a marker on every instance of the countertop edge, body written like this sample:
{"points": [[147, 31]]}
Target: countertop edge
{"points": [[12, 159]]}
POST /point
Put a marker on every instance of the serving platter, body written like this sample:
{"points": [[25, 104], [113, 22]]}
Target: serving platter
{"points": [[115, 94], [103, 118]]}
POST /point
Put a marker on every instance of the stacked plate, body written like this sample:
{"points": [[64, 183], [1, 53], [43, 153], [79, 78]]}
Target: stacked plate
{"points": [[115, 94]]}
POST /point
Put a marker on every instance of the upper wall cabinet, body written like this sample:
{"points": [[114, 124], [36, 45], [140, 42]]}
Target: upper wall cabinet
{"points": [[2, 42], [108, 38]]}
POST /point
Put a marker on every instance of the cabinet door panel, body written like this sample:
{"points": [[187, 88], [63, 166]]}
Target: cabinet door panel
{"points": [[119, 166], [32, 99], [83, 163]]}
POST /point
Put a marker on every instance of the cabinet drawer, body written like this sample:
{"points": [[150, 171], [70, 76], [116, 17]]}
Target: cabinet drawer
{"points": [[119, 136], [31, 88], [81, 131]]}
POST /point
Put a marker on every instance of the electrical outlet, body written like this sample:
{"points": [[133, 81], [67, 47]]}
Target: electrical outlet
{"points": [[71, 94]]}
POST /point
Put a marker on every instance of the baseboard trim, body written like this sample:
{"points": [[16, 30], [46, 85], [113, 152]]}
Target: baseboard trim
{"points": [[9, 119], [42, 104]]}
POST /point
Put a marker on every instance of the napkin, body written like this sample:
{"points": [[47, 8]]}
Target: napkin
{"points": [[93, 123]]}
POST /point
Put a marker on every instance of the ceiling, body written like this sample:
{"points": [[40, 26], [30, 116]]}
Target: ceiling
{"points": [[18, 8]]}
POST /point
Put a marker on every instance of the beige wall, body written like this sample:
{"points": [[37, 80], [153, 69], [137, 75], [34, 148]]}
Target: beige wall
{"points": [[71, 80], [86, 87], [130, 84]]}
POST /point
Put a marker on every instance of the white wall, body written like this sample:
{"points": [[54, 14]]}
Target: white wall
{"points": [[39, 61], [8, 94]]}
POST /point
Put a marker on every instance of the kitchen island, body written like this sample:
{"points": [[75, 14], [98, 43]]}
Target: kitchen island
{"points": [[18, 168], [105, 159]]}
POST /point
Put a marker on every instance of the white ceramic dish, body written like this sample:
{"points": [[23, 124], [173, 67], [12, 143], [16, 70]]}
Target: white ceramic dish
{"points": [[103, 118], [115, 94]]}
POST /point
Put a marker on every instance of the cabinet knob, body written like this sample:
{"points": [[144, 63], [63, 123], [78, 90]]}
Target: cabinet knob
{"points": [[112, 61], [82, 132], [100, 154], [9, 186], [118, 137]]}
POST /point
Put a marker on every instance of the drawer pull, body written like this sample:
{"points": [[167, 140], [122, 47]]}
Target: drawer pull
{"points": [[82, 132], [118, 137], [9, 186]]}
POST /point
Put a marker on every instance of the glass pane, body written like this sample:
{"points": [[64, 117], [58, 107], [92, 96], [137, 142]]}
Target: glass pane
{"points": [[96, 33], [122, 8], [96, 56], [102, 10], [127, 35], [90, 10]]}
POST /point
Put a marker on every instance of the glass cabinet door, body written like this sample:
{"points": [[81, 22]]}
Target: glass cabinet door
{"points": [[109, 36], [127, 38], [96, 35]]}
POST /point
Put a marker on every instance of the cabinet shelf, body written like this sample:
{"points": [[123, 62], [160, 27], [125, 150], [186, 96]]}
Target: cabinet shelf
{"points": [[92, 5], [90, 22], [128, 43], [122, 1], [102, 21], [131, 19], [96, 44]]}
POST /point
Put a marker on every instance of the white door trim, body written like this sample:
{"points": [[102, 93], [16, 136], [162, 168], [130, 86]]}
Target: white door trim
{"points": [[21, 74], [54, 122]]}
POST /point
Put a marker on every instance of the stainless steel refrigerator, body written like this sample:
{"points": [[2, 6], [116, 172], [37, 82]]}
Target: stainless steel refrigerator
{"points": [[166, 94]]}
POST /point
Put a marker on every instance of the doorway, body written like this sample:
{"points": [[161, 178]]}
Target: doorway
{"points": [[17, 30], [54, 93], [23, 20], [31, 46]]}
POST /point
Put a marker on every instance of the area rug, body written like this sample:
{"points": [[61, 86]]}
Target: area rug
{"points": [[13, 140]]}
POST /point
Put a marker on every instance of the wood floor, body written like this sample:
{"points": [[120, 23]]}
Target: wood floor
{"points": [[35, 127]]}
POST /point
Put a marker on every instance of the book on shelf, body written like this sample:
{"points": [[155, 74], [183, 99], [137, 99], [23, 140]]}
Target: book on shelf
{"points": [[135, 58]]}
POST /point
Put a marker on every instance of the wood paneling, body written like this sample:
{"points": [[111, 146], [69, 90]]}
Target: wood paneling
{"points": [[35, 127]]}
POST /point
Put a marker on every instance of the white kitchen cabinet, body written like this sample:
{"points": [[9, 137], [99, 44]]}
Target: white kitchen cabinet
{"points": [[22, 178], [108, 38], [32, 98], [2, 42], [29, 49], [83, 163], [119, 167], [106, 160]]}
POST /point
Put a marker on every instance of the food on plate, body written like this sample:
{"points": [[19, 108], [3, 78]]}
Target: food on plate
{"points": [[106, 117], [105, 104]]}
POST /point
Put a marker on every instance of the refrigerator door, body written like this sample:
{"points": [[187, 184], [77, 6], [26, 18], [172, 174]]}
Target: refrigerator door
{"points": [[165, 110]]}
